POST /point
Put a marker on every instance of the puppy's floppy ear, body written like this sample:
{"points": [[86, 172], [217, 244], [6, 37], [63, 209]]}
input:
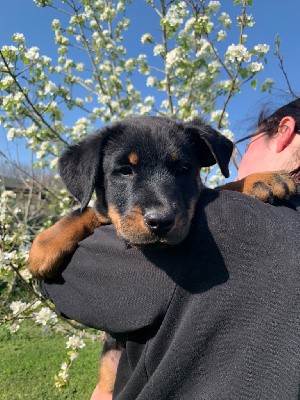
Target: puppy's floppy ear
{"points": [[80, 166], [212, 147]]}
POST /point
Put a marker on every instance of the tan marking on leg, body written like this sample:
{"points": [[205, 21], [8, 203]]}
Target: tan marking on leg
{"points": [[108, 371], [51, 247]]}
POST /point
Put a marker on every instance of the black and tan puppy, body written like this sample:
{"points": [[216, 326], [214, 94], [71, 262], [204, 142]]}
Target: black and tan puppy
{"points": [[145, 172]]}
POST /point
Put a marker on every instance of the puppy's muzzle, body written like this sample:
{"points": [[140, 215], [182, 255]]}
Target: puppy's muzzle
{"points": [[159, 220]]}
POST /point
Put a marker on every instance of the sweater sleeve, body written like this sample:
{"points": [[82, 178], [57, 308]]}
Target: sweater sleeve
{"points": [[110, 286]]}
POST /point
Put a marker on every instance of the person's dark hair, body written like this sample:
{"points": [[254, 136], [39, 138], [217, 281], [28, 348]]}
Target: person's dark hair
{"points": [[269, 124]]}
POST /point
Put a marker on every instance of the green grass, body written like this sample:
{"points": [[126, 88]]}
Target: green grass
{"points": [[29, 360]]}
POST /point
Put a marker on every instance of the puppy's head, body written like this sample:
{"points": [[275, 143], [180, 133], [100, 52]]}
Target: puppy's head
{"points": [[145, 172]]}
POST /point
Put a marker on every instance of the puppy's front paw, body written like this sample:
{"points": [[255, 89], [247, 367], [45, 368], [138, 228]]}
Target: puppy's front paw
{"points": [[45, 258], [267, 186]]}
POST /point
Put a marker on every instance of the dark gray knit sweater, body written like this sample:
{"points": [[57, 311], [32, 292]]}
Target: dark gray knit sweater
{"points": [[216, 318]]}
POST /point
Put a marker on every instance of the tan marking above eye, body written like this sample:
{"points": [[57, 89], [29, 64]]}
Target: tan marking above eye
{"points": [[174, 156], [133, 158]]}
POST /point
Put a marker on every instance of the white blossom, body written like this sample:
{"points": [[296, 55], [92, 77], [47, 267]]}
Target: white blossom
{"points": [[64, 366], [151, 80], [146, 38], [182, 102], [158, 50], [129, 64], [7, 81], [73, 355], [164, 104], [221, 35], [205, 50], [228, 134], [18, 38], [45, 316], [225, 19], [18, 307], [216, 115], [79, 67], [75, 342], [50, 88], [214, 6], [255, 67], [238, 52], [11, 133], [32, 53], [262, 48], [12, 49], [175, 14], [173, 57]]}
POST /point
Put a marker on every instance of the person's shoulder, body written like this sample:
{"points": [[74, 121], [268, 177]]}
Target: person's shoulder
{"points": [[251, 232], [235, 212], [231, 204]]}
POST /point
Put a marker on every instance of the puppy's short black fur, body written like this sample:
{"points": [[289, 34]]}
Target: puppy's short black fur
{"points": [[145, 172]]}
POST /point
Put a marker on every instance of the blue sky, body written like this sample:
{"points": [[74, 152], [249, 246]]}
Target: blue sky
{"points": [[271, 16]]}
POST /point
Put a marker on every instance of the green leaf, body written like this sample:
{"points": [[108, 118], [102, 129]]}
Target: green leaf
{"points": [[244, 73], [254, 84]]}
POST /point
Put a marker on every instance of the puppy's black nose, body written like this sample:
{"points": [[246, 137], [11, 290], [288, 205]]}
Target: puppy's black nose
{"points": [[160, 221]]}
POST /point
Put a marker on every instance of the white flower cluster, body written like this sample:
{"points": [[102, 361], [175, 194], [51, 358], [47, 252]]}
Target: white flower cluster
{"points": [[9, 49], [62, 375], [217, 114], [158, 50], [237, 53], [7, 81], [130, 64], [6, 258], [221, 35], [173, 57], [262, 48], [109, 13], [228, 134], [255, 67], [176, 14], [147, 106], [32, 53], [80, 128], [214, 6], [75, 342], [18, 38], [18, 307], [50, 88], [45, 316], [43, 3], [12, 100], [224, 18], [146, 38], [205, 50], [151, 80]]}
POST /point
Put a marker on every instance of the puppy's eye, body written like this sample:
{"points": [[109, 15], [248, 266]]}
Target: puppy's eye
{"points": [[126, 170]]}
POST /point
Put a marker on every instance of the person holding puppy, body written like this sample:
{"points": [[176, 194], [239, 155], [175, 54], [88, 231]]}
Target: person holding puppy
{"points": [[276, 146], [212, 317]]}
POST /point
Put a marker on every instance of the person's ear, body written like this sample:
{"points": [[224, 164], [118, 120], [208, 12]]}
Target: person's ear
{"points": [[286, 133]]}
